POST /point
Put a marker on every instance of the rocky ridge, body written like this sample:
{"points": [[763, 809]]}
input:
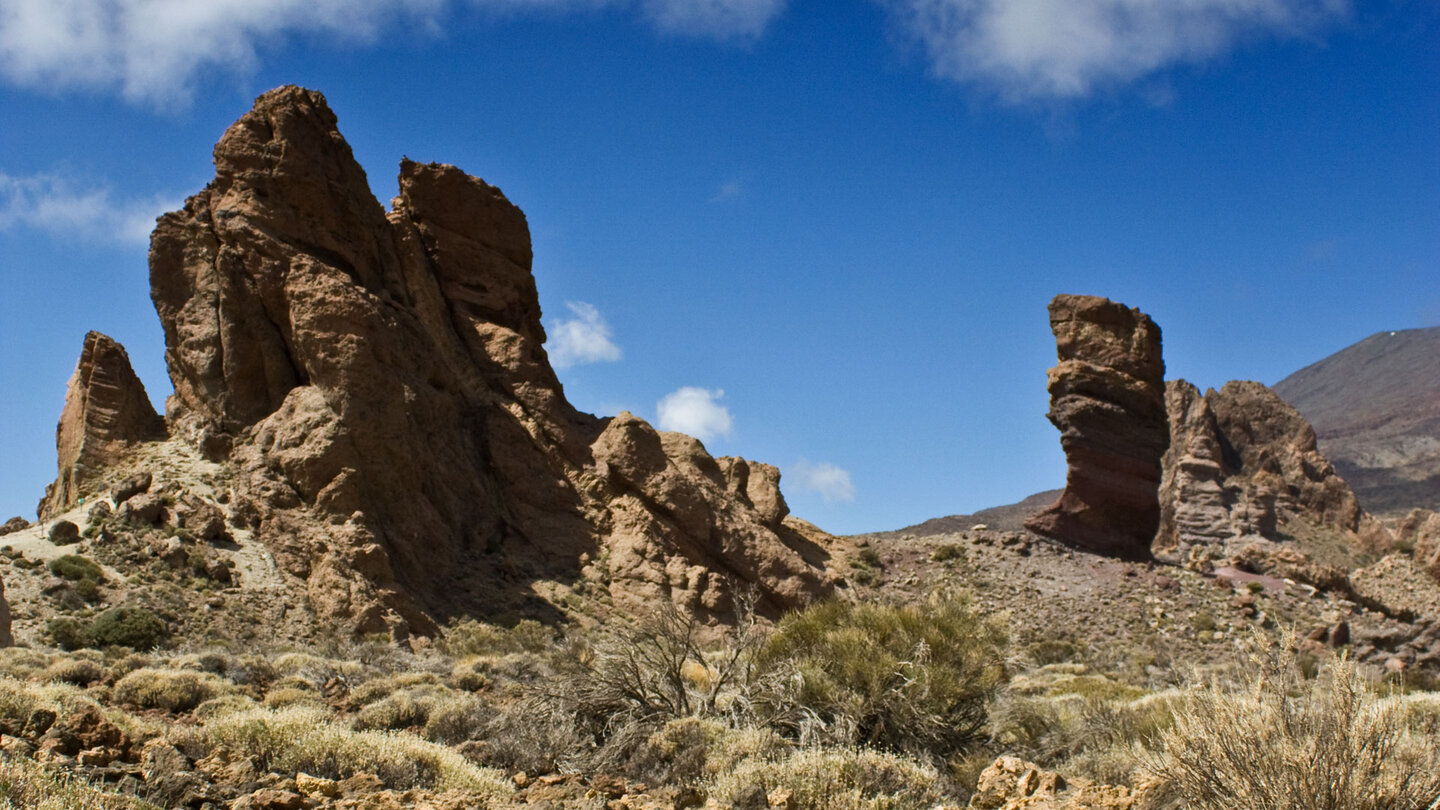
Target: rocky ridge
{"points": [[375, 387], [1375, 406], [1107, 399]]}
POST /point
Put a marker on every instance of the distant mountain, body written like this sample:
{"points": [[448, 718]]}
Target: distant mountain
{"points": [[1008, 518], [1375, 407]]}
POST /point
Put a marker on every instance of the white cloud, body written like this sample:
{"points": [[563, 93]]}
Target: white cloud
{"points": [[1055, 49], [695, 411], [585, 338], [717, 19], [830, 482], [63, 206], [152, 51]]}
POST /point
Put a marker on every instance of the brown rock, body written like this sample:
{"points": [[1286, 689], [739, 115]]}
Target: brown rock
{"points": [[14, 524], [1243, 462], [106, 410], [1107, 397], [7, 638], [397, 436], [133, 485], [145, 509], [1420, 530], [1013, 784], [63, 533]]}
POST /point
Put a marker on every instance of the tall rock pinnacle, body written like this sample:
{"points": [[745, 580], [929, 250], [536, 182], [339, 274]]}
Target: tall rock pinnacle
{"points": [[106, 410], [1107, 397]]}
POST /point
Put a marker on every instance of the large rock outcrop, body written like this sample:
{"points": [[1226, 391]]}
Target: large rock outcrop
{"points": [[1107, 399], [1242, 462], [379, 384], [106, 411]]}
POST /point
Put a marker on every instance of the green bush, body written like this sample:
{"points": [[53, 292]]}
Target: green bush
{"points": [[913, 678], [69, 633], [134, 627], [470, 637], [75, 567]]}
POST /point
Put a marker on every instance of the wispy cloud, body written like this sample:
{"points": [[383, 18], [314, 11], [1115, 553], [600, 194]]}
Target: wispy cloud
{"points": [[74, 209], [718, 19], [583, 338], [830, 482], [151, 51], [696, 411], [1059, 49], [729, 190]]}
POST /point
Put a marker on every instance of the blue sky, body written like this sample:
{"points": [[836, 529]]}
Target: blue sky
{"points": [[820, 234]]}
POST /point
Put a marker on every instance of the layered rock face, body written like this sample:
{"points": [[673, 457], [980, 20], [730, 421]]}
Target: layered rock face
{"points": [[106, 411], [1107, 397], [379, 383], [1243, 462]]}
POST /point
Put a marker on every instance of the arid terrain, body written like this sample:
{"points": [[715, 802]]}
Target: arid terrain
{"points": [[371, 557]]}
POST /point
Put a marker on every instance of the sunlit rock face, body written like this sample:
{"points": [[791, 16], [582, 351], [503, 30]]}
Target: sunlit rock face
{"points": [[106, 411], [379, 383]]}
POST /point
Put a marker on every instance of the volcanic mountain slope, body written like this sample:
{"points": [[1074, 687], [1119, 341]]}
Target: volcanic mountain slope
{"points": [[374, 388], [1375, 407]]}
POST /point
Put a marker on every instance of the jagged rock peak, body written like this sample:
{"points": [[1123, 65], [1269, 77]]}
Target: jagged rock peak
{"points": [[1107, 397], [106, 410], [378, 382]]}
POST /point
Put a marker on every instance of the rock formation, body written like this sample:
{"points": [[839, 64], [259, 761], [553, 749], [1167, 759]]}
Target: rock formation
{"points": [[1107, 398], [6, 637], [1242, 462], [379, 385], [1420, 531], [106, 410]]}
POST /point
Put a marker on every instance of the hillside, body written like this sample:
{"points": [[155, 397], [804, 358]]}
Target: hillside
{"points": [[1375, 407]]}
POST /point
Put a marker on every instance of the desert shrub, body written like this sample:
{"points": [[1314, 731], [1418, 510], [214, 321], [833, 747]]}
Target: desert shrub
{"points": [[79, 671], [134, 627], [69, 633], [835, 779], [75, 567], [1323, 744], [692, 749], [228, 703], [318, 670], [914, 678], [25, 783], [948, 551], [307, 739], [470, 673], [22, 662], [470, 637], [171, 690], [397, 711], [282, 696], [379, 688], [455, 718]]}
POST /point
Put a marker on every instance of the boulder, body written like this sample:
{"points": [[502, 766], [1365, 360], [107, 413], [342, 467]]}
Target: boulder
{"points": [[106, 411], [1420, 532], [63, 533], [14, 524], [1107, 397], [378, 384]]}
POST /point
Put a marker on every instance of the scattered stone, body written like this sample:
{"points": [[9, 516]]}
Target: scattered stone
{"points": [[144, 509], [98, 512]]}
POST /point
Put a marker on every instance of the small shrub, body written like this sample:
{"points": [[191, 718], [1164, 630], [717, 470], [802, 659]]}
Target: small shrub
{"points": [[25, 783], [78, 671], [914, 678], [1323, 744], [453, 719], [1202, 622], [134, 627], [836, 779], [171, 690], [948, 551], [75, 568], [393, 712], [470, 637], [69, 634], [307, 739]]}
